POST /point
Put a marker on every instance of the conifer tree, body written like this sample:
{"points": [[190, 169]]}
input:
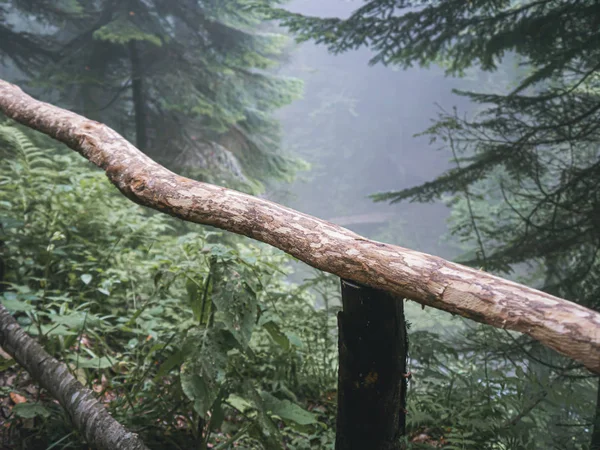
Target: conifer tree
{"points": [[539, 140], [191, 83]]}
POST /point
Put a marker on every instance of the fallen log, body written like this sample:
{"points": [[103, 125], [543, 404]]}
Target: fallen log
{"points": [[88, 415], [566, 327]]}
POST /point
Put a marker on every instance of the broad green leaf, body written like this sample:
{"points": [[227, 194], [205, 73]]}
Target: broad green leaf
{"points": [[195, 297], [75, 320], [287, 410], [86, 278], [94, 363], [239, 403], [235, 301], [277, 335], [6, 364], [221, 251], [264, 429], [204, 369], [200, 389], [14, 305], [30, 410], [294, 339], [9, 222], [217, 417], [51, 330], [173, 360]]}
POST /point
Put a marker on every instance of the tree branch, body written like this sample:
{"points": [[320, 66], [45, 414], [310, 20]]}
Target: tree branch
{"points": [[559, 324]]}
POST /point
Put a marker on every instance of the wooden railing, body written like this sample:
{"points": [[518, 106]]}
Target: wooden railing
{"points": [[559, 324]]}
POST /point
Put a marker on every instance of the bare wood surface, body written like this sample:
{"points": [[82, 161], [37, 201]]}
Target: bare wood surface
{"points": [[566, 327]]}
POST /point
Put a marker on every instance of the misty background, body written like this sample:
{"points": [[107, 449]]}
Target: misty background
{"points": [[355, 125], [205, 325]]}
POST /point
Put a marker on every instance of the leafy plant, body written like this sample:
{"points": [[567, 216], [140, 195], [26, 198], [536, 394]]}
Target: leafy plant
{"points": [[189, 336]]}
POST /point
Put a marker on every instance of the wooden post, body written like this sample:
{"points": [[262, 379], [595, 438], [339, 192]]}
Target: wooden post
{"points": [[372, 378]]}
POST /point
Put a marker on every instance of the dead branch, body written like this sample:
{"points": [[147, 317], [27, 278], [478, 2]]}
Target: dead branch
{"points": [[88, 415]]}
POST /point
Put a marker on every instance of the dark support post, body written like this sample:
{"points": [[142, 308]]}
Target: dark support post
{"points": [[372, 376]]}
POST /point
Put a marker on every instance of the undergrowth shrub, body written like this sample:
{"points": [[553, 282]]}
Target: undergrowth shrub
{"points": [[195, 338], [191, 337]]}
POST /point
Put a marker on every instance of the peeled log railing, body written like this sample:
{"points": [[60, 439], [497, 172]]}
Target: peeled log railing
{"points": [[559, 324]]}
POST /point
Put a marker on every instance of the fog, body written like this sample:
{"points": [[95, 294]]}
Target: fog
{"points": [[356, 126]]}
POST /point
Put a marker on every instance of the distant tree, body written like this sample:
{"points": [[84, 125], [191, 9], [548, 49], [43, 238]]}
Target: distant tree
{"points": [[192, 83], [526, 185]]}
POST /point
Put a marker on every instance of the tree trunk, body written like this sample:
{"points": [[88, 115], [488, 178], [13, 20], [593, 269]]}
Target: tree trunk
{"points": [[87, 414], [372, 378], [139, 105], [566, 327]]}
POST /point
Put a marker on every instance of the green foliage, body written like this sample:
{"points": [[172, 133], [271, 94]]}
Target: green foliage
{"points": [[173, 328], [121, 31], [524, 192], [194, 338], [137, 304], [236, 302], [30, 410], [191, 82], [477, 392], [460, 34]]}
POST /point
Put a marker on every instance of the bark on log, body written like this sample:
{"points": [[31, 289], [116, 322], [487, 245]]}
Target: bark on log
{"points": [[559, 324], [87, 414]]}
